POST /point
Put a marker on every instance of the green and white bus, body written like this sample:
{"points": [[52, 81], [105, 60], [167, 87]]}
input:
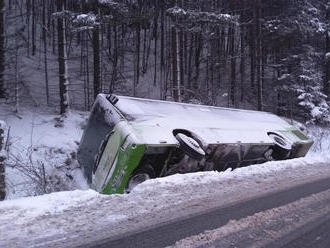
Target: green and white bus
{"points": [[129, 140]]}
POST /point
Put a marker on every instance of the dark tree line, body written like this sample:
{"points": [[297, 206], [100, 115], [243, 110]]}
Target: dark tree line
{"points": [[268, 55]]}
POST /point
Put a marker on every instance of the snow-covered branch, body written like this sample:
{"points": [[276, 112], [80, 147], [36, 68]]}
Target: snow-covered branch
{"points": [[84, 22], [181, 15]]}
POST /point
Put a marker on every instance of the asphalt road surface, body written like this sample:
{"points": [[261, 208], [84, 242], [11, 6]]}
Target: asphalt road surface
{"points": [[313, 235], [316, 234]]}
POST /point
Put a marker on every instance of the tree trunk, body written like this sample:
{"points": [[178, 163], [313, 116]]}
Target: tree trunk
{"points": [[2, 167], [198, 53], [252, 47], [2, 48], [327, 62], [44, 32], [175, 66], [115, 59], [190, 56], [28, 14], [259, 57], [155, 35], [242, 62], [180, 51], [62, 62], [137, 59], [162, 39], [33, 28], [233, 67], [97, 66], [87, 69]]}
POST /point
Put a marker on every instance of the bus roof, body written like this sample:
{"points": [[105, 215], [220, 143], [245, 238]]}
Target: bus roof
{"points": [[154, 121]]}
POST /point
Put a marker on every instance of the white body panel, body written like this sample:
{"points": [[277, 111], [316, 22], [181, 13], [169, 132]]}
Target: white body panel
{"points": [[154, 121]]}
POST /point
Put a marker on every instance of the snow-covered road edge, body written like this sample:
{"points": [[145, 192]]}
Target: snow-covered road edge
{"points": [[73, 214]]}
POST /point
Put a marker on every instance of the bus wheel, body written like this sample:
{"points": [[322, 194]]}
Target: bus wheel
{"points": [[140, 175], [190, 146], [282, 147]]}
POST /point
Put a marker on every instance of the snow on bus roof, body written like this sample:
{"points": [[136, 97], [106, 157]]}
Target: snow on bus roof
{"points": [[143, 110], [154, 121]]}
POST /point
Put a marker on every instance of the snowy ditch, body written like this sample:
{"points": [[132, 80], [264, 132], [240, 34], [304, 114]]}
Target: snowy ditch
{"points": [[42, 152]]}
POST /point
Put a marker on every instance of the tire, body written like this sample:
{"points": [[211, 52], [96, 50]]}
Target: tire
{"points": [[282, 147], [190, 146], [140, 175]]}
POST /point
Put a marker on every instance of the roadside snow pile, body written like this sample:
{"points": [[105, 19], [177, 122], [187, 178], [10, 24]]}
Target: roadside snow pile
{"points": [[55, 221], [229, 178], [55, 203], [42, 157]]}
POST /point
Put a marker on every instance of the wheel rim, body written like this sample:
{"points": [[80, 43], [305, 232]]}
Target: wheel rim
{"points": [[280, 141], [191, 143]]}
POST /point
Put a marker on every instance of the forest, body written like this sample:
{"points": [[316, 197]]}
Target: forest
{"points": [[270, 55]]}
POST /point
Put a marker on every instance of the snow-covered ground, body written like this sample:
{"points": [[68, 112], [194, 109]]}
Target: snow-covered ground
{"points": [[59, 219], [42, 151]]}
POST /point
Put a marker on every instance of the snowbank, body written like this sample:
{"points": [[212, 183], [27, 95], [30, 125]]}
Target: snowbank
{"points": [[55, 203]]}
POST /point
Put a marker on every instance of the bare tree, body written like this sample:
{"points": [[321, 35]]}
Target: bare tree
{"points": [[259, 55], [97, 60], [62, 60], [44, 37], [3, 140]]}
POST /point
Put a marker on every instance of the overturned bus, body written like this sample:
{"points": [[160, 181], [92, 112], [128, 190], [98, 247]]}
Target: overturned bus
{"points": [[129, 140]]}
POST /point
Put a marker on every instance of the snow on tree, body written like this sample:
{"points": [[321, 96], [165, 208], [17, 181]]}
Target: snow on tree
{"points": [[199, 20], [84, 22], [200, 17], [298, 67], [304, 81]]}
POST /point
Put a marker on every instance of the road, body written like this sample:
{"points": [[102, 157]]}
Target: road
{"points": [[316, 235], [307, 235]]}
